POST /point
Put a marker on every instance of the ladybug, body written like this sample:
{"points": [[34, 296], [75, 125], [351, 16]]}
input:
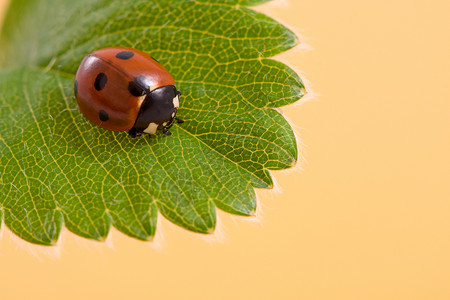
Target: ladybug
{"points": [[124, 89]]}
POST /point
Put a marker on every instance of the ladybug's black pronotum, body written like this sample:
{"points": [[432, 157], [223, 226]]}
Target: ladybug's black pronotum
{"points": [[124, 89]]}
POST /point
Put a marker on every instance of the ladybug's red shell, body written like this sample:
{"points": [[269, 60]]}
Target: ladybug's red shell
{"points": [[103, 90]]}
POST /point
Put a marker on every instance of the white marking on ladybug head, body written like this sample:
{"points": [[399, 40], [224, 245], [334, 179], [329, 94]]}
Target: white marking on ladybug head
{"points": [[165, 123], [151, 129], [176, 101], [173, 115]]}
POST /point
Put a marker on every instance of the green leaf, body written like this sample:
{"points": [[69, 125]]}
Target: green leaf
{"points": [[59, 169]]}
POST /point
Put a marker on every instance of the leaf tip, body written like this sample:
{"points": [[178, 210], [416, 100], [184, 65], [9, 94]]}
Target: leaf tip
{"points": [[299, 87], [203, 230], [149, 238], [53, 242], [42, 241], [252, 213], [101, 239], [145, 238], [302, 91], [208, 229]]}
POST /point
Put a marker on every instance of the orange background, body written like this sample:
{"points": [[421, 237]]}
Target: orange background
{"points": [[365, 216]]}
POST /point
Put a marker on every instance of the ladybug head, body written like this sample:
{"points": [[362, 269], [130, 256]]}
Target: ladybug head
{"points": [[158, 111]]}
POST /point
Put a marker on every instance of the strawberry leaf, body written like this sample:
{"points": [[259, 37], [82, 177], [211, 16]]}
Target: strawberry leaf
{"points": [[58, 169]]}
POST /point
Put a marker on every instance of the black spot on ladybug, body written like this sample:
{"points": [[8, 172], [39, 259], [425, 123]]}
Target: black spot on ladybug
{"points": [[139, 86], [100, 81], [75, 87], [125, 55], [143, 82], [135, 89], [103, 115]]}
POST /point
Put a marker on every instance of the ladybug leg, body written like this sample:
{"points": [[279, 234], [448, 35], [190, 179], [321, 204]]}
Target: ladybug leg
{"points": [[167, 132], [132, 133], [179, 121]]}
